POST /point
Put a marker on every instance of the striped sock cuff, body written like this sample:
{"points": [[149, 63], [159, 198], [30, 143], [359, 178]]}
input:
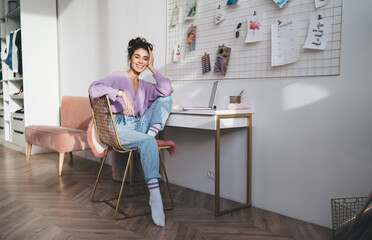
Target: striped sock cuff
{"points": [[153, 185], [153, 130]]}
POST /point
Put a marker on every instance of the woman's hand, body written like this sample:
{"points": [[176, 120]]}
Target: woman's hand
{"points": [[129, 110], [151, 62]]}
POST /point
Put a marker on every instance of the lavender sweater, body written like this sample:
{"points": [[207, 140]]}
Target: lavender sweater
{"points": [[146, 94]]}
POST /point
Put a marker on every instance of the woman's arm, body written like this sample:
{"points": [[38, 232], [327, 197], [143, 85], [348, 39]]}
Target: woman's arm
{"points": [[128, 109], [109, 86], [151, 62], [163, 86], [102, 87]]}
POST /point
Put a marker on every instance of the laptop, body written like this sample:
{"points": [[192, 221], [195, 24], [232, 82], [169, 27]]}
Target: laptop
{"points": [[211, 100]]}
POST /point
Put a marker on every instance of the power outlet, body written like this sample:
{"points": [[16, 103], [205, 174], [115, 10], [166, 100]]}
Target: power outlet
{"points": [[211, 174]]}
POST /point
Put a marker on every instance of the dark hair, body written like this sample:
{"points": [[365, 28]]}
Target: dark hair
{"points": [[137, 43]]}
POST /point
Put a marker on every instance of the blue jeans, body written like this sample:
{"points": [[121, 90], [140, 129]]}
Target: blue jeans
{"points": [[132, 133]]}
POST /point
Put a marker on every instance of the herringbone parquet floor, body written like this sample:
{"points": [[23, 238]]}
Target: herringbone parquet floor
{"points": [[35, 203]]}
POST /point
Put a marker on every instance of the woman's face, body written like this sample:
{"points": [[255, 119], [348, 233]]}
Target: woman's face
{"points": [[139, 60]]}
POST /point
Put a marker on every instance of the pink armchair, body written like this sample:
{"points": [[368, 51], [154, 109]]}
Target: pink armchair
{"points": [[70, 136]]}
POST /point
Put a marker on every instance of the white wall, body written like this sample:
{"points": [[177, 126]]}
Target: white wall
{"points": [[94, 36], [312, 137], [41, 80]]}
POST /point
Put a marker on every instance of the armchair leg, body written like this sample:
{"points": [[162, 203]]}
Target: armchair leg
{"points": [[61, 159], [29, 147]]}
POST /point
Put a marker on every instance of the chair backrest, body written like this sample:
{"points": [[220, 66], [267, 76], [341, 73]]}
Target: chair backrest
{"points": [[75, 112], [104, 122]]}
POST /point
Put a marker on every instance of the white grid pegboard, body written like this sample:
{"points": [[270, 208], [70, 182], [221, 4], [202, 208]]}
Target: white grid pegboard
{"points": [[250, 60]]}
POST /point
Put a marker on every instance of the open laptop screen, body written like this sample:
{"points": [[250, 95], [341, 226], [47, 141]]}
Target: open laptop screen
{"points": [[211, 100]]}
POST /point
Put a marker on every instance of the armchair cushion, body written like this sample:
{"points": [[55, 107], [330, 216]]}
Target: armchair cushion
{"points": [[75, 112], [60, 139]]}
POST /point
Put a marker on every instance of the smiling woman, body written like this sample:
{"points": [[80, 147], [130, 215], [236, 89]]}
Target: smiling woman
{"points": [[141, 110]]}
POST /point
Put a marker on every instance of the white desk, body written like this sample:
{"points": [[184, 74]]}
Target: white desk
{"points": [[216, 120]]}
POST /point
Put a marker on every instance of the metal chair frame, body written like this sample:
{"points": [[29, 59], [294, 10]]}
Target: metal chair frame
{"points": [[104, 124]]}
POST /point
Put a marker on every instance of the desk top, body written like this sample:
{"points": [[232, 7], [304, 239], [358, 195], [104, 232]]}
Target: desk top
{"points": [[207, 119], [213, 112]]}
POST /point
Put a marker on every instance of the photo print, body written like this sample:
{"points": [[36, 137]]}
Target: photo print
{"points": [[191, 38], [254, 29], [281, 3], [206, 63], [191, 9], [219, 15], [222, 60], [232, 2], [321, 3], [177, 54], [175, 15]]}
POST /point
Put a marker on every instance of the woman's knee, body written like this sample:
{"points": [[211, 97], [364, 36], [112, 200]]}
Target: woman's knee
{"points": [[165, 102]]}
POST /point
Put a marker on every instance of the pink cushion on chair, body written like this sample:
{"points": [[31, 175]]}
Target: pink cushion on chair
{"points": [[75, 112], [57, 138], [172, 150], [95, 144]]}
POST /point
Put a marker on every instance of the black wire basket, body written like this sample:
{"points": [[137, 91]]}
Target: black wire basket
{"points": [[345, 222]]}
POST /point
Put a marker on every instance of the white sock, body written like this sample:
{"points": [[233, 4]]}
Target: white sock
{"points": [[154, 129], [156, 202]]}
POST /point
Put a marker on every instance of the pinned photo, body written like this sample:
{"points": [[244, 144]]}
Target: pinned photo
{"points": [[177, 54], [175, 16], [254, 29], [206, 64], [321, 3], [281, 3], [220, 15], [191, 38], [222, 60], [191, 9], [232, 2]]}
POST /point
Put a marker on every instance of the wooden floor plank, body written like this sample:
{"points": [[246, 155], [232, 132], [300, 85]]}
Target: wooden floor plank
{"points": [[36, 203]]}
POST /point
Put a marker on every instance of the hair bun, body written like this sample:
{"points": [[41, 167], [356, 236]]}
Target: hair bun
{"points": [[137, 43]]}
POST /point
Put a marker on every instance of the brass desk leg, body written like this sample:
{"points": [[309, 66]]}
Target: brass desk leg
{"points": [[217, 169], [218, 211]]}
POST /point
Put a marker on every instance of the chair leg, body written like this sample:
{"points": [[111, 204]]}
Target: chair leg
{"points": [[29, 147], [99, 174], [166, 178], [127, 168], [61, 160], [71, 155], [130, 158], [131, 171]]}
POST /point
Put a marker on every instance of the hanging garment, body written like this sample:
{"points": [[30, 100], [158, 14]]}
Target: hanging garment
{"points": [[14, 52], [18, 43], [10, 51]]}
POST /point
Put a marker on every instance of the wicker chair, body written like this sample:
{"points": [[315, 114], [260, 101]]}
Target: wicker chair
{"points": [[107, 134]]}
